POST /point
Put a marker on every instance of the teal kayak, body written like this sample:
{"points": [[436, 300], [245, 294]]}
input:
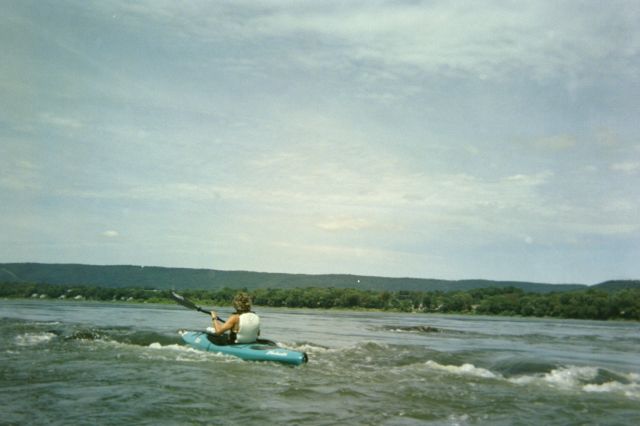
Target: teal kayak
{"points": [[262, 350]]}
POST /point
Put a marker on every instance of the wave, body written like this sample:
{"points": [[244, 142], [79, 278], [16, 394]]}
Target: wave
{"points": [[411, 360], [432, 365], [630, 390], [125, 335], [147, 344], [521, 366], [178, 352], [464, 369], [33, 339], [566, 378], [420, 329], [30, 334], [365, 357]]}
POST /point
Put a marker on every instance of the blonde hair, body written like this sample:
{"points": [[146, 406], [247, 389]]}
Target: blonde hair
{"points": [[242, 302]]}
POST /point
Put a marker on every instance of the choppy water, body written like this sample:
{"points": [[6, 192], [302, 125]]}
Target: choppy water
{"points": [[103, 363]]}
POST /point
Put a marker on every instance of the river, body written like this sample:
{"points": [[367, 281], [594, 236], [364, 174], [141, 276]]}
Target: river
{"points": [[92, 363]]}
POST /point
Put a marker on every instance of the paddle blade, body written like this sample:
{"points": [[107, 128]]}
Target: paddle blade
{"points": [[189, 304], [184, 301]]}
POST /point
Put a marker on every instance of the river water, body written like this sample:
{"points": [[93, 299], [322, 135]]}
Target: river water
{"points": [[108, 363]]}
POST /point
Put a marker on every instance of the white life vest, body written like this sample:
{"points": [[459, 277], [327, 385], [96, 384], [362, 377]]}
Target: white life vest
{"points": [[248, 329]]}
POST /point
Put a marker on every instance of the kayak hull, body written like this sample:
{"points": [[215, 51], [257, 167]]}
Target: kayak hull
{"points": [[262, 350]]}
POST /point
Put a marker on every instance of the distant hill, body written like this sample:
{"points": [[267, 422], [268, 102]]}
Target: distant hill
{"points": [[185, 278], [616, 285]]}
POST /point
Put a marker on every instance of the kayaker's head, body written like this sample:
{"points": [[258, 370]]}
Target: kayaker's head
{"points": [[242, 302]]}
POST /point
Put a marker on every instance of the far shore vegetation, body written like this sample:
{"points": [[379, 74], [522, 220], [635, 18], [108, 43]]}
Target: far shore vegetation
{"points": [[594, 304]]}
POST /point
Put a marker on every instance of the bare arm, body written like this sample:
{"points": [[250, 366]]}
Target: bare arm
{"points": [[222, 327]]}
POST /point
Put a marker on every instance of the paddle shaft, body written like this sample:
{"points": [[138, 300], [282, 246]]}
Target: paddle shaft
{"points": [[189, 304]]}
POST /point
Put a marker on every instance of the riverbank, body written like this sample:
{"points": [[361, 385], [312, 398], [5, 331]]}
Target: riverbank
{"points": [[591, 304]]}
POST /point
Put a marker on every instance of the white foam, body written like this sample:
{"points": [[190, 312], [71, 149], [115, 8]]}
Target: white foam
{"points": [[630, 390], [561, 377], [574, 378], [571, 376], [464, 370], [32, 339], [523, 380], [457, 420], [184, 353], [173, 347], [310, 348], [564, 378]]}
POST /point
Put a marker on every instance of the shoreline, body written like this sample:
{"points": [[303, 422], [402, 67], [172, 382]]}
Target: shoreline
{"points": [[333, 309]]}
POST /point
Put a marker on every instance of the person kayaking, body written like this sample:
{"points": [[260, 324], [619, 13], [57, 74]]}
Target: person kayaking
{"points": [[243, 325]]}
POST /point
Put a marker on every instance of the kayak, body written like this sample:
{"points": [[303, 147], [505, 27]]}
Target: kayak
{"points": [[262, 350]]}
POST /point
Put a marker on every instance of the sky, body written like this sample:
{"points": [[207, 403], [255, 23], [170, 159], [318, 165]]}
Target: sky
{"points": [[428, 139]]}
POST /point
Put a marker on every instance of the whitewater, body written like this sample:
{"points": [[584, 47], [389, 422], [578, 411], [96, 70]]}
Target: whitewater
{"points": [[67, 362]]}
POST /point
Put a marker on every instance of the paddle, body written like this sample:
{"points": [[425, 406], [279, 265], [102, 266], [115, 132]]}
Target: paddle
{"points": [[190, 305]]}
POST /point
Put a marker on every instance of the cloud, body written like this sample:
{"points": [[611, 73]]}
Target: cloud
{"points": [[344, 223], [362, 130], [55, 120], [17, 171], [485, 40], [488, 40], [607, 137], [628, 167], [555, 143]]}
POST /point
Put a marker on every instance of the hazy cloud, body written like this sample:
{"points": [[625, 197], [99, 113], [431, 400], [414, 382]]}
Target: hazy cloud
{"points": [[628, 167], [556, 143], [438, 139]]}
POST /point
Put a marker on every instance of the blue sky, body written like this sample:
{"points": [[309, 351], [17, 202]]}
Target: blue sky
{"points": [[432, 139]]}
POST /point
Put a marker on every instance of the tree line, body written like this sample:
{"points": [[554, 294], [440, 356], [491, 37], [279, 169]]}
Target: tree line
{"points": [[582, 304]]}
